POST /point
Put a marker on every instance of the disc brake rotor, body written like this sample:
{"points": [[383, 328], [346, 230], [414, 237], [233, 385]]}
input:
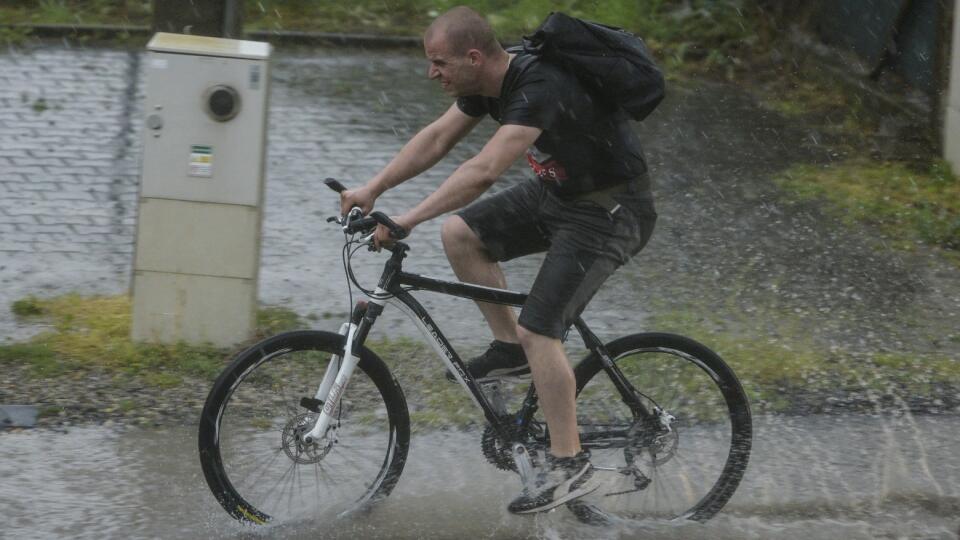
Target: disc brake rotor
{"points": [[291, 440], [652, 449]]}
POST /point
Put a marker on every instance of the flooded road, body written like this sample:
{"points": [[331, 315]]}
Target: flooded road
{"points": [[814, 477]]}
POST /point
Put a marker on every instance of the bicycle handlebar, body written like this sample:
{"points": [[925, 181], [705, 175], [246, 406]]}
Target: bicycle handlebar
{"points": [[333, 184], [365, 224]]}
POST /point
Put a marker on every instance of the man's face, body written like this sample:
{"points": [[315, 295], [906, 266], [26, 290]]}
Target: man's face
{"points": [[457, 75]]}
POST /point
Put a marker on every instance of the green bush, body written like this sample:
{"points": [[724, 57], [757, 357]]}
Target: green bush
{"points": [[710, 31]]}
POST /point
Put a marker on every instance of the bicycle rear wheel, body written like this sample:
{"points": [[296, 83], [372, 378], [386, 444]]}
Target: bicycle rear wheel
{"points": [[648, 471], [250, 451]]}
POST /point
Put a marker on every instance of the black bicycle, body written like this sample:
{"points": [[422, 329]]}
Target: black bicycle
{"points": [[283, 437]]}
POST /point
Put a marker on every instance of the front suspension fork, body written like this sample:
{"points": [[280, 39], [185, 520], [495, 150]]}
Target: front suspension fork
{"points": [[340, 368]]}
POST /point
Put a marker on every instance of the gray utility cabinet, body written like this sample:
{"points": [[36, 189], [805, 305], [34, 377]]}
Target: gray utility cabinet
{"points": [[201, 194]]}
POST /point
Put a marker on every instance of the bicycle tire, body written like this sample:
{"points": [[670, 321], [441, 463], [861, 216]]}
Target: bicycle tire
{"points": [[696, 423], [254, 405]]}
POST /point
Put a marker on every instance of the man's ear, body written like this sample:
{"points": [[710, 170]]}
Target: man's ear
{"points": [[476, 57]]}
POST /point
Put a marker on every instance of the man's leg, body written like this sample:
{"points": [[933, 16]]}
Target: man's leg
{"points": [[469, 260], [556, 389], [567, 473]]}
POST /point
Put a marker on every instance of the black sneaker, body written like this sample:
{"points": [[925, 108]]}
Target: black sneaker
{"points": [[502, 359], [561, 481]]}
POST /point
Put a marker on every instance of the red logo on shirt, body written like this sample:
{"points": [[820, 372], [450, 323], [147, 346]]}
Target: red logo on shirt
{"points": [[547, 170]]}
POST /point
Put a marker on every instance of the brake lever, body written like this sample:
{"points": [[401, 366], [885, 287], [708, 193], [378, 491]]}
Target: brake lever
{"points": [[368, 239], [354, 213]]}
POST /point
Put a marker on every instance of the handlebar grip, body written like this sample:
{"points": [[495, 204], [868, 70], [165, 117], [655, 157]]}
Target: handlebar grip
{"points": [[335, 185], [362, 224], [396, 231]]}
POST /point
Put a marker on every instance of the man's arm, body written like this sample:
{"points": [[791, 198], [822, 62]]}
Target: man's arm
{"points": [[423, 151], [471, 179]]}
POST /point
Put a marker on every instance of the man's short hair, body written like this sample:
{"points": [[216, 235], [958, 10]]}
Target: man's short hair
{"points": [[464, 29]]}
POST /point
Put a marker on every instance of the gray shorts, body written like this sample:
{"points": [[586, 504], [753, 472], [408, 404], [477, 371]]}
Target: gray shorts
{"points": [[584, 243]]}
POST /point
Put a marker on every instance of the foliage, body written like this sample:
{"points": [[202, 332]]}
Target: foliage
{"points": [[14, 36], [711, 32], [126, 12]]}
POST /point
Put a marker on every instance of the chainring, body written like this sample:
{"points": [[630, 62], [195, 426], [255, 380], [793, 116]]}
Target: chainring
{"points": [[500, 453], [497, 452]]}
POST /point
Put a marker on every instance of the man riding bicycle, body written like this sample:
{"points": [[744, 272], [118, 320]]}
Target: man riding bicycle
{"points": [[590, 208]]}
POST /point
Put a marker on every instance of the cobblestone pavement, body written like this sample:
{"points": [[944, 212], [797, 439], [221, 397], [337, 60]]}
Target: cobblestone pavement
{"points": [[69, 166], [68, 171]]}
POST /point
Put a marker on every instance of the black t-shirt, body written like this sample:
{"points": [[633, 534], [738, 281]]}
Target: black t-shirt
{"points": [[585, 145]]}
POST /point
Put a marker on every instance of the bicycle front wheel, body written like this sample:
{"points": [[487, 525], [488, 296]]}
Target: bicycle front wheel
{"points": [[251, 452], [679, 453]]}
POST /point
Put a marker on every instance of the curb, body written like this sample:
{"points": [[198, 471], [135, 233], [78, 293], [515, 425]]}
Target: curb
{"points": [[291, 37]]}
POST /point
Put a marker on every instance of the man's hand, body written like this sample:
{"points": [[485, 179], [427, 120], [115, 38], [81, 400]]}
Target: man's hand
{"points": [[363, 197], [382, 236]]}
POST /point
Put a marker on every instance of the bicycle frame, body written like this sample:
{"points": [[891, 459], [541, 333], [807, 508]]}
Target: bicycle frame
{"points": [[393, 288]]}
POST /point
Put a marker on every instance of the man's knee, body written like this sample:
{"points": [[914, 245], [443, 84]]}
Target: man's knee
{"points": [[529, 338], [458, 236]]}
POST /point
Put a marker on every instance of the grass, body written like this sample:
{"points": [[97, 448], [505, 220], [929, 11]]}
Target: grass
{"points": [[434, 402], [27, 307], [788, 373], [792, 373], [914, 204], [41, 358], [797, 95], [94, 332], [273, 320]]}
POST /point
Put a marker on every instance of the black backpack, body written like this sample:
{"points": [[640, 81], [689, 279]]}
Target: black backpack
{"points": [[610, 62]]}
